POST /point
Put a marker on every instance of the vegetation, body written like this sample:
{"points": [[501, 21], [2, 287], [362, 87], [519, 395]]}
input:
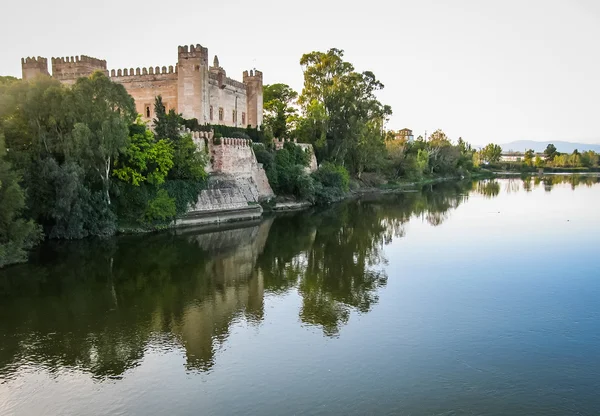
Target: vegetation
{"points": [[77, 162], [550, 160]]}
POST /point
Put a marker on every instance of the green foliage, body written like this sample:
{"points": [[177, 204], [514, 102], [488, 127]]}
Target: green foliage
{"points": [[539, 162], [161, 208], [529, 156], [184, 192], [279, 113], [145, 159], [166, 125], [331, 183], [16, 234], [550, 152], [491, 153], [188, 162], [85, 162], [263, 156], [342, 117]]}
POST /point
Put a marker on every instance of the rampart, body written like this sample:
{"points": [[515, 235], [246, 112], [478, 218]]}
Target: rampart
{"points": [[69, 69], [237, 181], [144, 84]]}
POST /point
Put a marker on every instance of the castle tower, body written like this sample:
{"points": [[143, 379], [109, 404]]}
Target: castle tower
{"points": [[192, 82], [254, 90], [34, 67]]}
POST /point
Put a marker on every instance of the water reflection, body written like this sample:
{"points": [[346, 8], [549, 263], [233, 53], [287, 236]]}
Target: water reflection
{"points": [[98, 306]]}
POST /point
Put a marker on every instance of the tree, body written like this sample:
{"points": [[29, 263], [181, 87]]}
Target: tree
{"points": [[145, 159], [550, 152], [529, 155], [491, 153], [279, 110], [167, 126], [338, 103], [16, 234], [103, 110], [539, 162]]}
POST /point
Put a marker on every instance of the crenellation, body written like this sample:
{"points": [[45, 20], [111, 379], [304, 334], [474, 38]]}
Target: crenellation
{"points": [[33, 67]]}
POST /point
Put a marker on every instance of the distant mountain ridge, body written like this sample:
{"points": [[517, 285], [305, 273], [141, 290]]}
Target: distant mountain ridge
{"points": [[563, 147]]}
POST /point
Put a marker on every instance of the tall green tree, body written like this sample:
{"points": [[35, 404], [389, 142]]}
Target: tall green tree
{"points": [[167, 125], [550, 152], [103, 110], [279, 110], [340, 103]]}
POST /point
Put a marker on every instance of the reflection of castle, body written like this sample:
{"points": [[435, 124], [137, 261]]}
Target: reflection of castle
{"points": [[191, 87], [239, 291]]}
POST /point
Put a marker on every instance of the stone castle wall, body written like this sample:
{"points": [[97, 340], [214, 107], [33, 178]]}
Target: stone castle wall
{"points": [[147, 83], [191, 87]]}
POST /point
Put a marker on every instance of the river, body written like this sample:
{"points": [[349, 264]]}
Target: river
{"points": [[461, 299]]}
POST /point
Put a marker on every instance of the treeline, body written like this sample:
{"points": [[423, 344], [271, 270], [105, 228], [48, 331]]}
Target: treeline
{"points": [[77, 162], [339, 114], [550, 160]]}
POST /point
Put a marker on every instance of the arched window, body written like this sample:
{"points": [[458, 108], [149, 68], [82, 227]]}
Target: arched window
{"points": [[211, 113], [148, 111], [243, 119], [220, 113], [234, 116]]}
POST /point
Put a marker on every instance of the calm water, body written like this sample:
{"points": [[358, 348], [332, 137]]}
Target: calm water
{"points": [[464, 299]]}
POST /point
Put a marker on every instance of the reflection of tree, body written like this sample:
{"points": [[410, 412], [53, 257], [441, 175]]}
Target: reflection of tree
{"points": [[338, 258], [96, 306], [549, 181], [488, 188]]}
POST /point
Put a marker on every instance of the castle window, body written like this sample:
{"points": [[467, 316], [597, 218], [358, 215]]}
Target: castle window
{"points": [[243, 119], [198, 68], [233, 116], [147, 111], [211, 113], [220, 113]]}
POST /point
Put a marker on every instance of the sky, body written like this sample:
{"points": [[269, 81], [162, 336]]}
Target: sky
{"points": [[484, 70]]}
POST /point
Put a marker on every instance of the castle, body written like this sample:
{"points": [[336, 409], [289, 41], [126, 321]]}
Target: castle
{"points": [[191, 87]]}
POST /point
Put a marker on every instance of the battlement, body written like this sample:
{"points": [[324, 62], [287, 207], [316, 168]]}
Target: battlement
{"points": [[143, 71], [252, 75], [71, 68], [83, 59], [280, 142], [32, 67], [33, 62], [197, 51]]}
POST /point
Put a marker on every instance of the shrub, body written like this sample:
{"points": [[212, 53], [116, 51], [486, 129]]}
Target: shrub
{"points": [[331, 183]]}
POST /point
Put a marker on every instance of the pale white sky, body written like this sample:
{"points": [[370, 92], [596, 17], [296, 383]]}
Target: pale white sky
{"points": [[485, 70]]}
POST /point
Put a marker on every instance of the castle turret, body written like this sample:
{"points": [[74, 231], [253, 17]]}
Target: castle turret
{"points": [[254, 90], [34, 67], [192, 82]]}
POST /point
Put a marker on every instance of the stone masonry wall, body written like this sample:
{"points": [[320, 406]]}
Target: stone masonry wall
{"points": [[146, 84], [236, 181]]}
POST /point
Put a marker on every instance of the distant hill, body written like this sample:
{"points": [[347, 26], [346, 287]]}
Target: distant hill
{"points": [[563, 147]]}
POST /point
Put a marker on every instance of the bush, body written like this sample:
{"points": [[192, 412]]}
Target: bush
{"points": [[331, 183]]}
